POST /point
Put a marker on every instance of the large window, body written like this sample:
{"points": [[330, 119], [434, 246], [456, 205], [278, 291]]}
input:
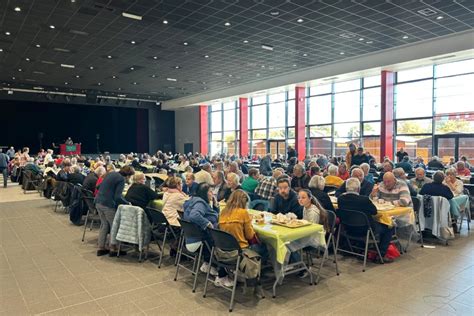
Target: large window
{"points": [[223, 128]]}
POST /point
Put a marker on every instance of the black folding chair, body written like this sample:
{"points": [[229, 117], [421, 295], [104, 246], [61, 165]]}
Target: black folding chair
{"points": [[225, 242], [416, 210], [190, 230], [356, 220], [159, 229], [92, 214], [330, 241], [30, 180], [466, 213]]}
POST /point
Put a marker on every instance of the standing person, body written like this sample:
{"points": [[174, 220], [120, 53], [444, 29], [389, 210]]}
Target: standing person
{"points": [[4, 159], [107, 201], [400, 154], [359, 158], [349, 155], [11, 152], [24, 157], [291, 153]]}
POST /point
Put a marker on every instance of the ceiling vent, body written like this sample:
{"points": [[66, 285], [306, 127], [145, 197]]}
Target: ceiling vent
{"points": [[427, 12], [347, 35]]}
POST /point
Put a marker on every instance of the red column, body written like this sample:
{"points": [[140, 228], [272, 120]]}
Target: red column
{"points": [[244, 128], [300, 123], [386, 132], [203, 129]]}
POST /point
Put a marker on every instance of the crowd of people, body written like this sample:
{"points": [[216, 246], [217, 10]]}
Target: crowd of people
{"points": [[197, 185]]}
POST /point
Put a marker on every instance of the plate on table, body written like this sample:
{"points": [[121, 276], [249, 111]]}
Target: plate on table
{"points": [[384, 207], [296, 223]]}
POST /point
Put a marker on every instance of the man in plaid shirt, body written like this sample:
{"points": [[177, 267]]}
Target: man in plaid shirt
{"points": [[267, 186]]}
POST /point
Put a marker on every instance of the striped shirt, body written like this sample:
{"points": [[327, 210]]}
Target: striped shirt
{"points": [[399, 192]]}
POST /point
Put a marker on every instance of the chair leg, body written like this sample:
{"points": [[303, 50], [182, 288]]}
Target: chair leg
{"points": [[337, 241], [180, 240], [163, 247], [207, 274], [85, 227], [118, 250], [335, 254], [366, 250], [236, 272], [196, 271], [178, 260], [376, 245]]}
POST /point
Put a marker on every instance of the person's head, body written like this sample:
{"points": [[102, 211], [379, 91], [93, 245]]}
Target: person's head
{"points": [[206, 167], [401, 149], [298, 170], [463, 158], [352, 147], [332, 170], [189, 178], [76, 169], [451, 174], [283, 184], [237, 200], [399, 173], [305, 198], [451, 160], [188, 169], [434, 158], [254, 173], [233, 167], [419, 159], [317, 182], [460, 165], [353, 185], [365, 167], [406, 159], [174, 183], [389, 180], [233, 180], [26, 150], [387, 166], [204, 192], [100, 171], [420, 173], [358, 173], [438, 177], [277, 173], [315, 170], [110, 168], [139, 177], [219, 165], [127, 172], [360, 151], [342, 168], [218, 177], [67, 166]]}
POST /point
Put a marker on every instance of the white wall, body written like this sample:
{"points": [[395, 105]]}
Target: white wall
{"points": [[187, 128]]}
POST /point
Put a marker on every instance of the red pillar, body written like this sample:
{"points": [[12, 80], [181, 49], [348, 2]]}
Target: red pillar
{"points": [[203, 129], [386, 132], [244, 128], [300, 123]]}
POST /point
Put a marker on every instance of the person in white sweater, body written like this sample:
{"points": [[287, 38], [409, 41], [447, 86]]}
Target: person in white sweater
{"points": [[204, 175], [173, 200], [312, 210]]}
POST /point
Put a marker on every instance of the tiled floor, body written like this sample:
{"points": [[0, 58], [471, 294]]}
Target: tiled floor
{"points": [[45, 268]]}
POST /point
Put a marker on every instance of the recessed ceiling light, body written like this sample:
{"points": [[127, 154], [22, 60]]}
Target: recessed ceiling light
{"points": [[227, 23], [77, 76], [20, 70], [1, 50], [99, 83], [300, 20], [109, 57], [17, 9], [440, 17], [13, 78], [67, 66], [27, 59], [274, 13], [38, 45], [304, 55], [155, 57], [177, 67], [131, 16], [267, 47], [134, 83], [171, 79], [341, 53], [52, 27], [133, 42], [185, 43], [114, 77], [165, 21], [91, 67], [405, 36], [361, 39], [245, 41], [132, 68], [369, 42], [258, 75], [230, 76], [294, 65], [153, 76], [7, 33], [206, 56], [66, 83]]}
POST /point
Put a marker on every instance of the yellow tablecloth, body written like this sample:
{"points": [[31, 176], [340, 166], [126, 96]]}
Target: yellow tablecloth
{"points": [[158, 204], [278, 237], [148, 167]]}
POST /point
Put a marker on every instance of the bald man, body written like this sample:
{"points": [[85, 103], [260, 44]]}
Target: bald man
{"points": [[392, 190], [365, 186]]}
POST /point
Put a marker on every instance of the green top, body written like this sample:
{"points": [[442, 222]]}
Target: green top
{"points": [[249, 184]]}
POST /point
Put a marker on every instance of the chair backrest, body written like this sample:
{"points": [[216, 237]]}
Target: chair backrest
{"points": [[264, 205], [191, 230], [88, 197], [329, 188], [223, 240], [416, 204], [331, 220], [156, 216], [353, 218]]}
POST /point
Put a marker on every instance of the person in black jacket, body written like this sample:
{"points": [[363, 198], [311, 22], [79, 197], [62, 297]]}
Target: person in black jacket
{"points": [[437, 188], [91, 180], [365, 186], [352, 201], [286, 200], [139, 194], [76, 177], [316, 186]]}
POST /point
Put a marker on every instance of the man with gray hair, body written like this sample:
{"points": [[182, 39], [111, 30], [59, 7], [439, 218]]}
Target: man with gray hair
{"points": [[365, 186], [434, 163], [204, 175], [399, 173], [420, 179], [351, 200]]}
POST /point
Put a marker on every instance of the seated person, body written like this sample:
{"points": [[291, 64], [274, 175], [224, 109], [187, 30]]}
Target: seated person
{"points": [[286, 200], [419, 163], [437, 188], [435, 163], [352, 201], [204, 174], [369, 177], [312, 210], [50, 170], [139, 194], [461, 169], [63, 174], [455, 185], [316, 187], [400, 174], [173, 200], [342, 172], [392, 190], [33, 167], [365, 186], [91, 180], [233, 183], [405, 164], [267, 186], [420, 179], [332, 179], [220, 186], [251, 182], [300, 178], [359, 157], [76, 177], [314, 171], [190, 186], [387, 166]]}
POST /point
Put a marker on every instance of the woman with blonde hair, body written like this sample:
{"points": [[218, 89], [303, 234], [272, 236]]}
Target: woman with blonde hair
{"points": [[173, 200]]}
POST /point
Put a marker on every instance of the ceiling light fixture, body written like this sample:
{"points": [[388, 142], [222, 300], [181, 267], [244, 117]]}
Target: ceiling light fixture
{"points": [[227, 23], [341, 53], [165, 21], [7, 33], [177, 67], [114, 77], [369, 42], [405, 36], [305, 55], [134, 83], [185, 43], [91, 67], [294, 65], [132, 68], [155, 57], [17, 9], [99, 83], [206, 56], [153, 76], [171, 79], [1, 50], [20, 70], [67, 66], [77, 76], [133, 42], [52, 27], [440, 17], [300, 20], [27, 59], [131, 16], [361, 39], [267, 47], [38, 45], [109, 57], [274, 13], [246, 42], [66, 83]]}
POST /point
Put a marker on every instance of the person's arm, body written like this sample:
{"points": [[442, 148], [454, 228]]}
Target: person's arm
{"points": [[404, 198], [371, 207], [152, 195], [196, 216], [248, 228], [458, 187], [118, 197], [449, 194]]}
